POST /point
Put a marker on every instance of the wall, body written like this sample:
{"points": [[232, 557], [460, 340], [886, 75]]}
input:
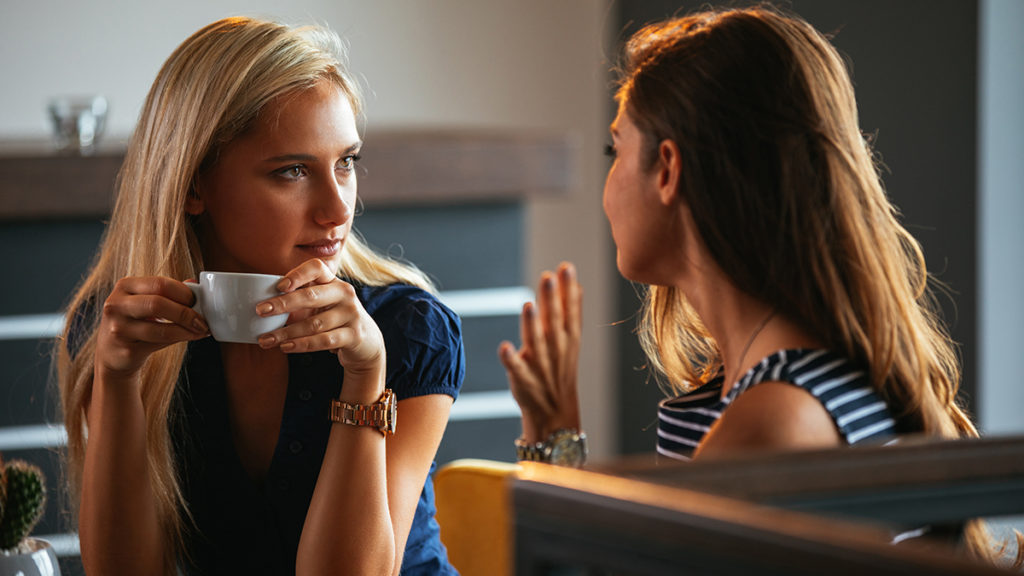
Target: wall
{"points": [[524, 65], [1001, 210]]}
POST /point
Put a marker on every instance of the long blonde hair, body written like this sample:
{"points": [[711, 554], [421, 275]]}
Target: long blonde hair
{"points": [[763, 111], [208, 92]]}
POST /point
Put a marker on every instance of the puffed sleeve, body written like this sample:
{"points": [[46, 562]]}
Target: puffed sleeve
{"points": [[423, 338]]}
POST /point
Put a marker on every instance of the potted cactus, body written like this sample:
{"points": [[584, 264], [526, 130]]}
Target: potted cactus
{"points": [[22, 497]]}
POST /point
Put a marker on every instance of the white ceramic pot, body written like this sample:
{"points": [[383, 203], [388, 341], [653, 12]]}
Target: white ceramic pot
{"points": [[33, 558]]}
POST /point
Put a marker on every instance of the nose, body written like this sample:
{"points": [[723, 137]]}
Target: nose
{"points": [[334, 205], [604, 193]]}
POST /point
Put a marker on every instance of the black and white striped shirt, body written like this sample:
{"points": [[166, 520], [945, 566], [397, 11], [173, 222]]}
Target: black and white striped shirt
{"points": [[841, 386]]}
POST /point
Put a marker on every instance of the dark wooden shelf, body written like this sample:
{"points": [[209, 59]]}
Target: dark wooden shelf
{"points": [[425, 167]]}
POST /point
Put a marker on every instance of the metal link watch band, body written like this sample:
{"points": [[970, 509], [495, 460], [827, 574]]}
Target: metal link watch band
{"points": [[533, 452], [381, 415], [565, 447]]}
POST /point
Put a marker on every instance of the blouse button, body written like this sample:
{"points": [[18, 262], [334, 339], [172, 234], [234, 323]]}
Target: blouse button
{"points": [[295, 446], [283, 485], [305, 395]]}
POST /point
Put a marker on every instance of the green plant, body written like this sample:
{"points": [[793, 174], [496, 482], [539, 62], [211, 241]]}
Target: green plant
{"points": [[22, 498]]}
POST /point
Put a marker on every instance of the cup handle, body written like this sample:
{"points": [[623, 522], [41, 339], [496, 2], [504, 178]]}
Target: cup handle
{"points": [[194, 287]]}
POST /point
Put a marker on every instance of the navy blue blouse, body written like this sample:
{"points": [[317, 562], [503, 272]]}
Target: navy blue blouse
{"points": [[249, 528]]}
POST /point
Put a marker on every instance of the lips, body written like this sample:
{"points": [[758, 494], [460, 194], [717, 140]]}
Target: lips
{"points": [[322, 248]]}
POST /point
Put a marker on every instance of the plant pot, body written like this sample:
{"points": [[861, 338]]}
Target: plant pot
{"points": [[33, 557]]}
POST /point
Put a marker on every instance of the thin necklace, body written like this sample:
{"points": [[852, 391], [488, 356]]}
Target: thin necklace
{"points": [[753, 336]]}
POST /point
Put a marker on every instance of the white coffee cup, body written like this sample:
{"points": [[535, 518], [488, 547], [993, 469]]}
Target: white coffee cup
{"points": [[227, 300]]}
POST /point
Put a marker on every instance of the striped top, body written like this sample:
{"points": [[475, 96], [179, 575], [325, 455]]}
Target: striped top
{"points": [[840, 385]]}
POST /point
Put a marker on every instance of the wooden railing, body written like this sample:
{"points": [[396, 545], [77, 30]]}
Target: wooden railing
{"points": [[828, 512], [917, 481]]}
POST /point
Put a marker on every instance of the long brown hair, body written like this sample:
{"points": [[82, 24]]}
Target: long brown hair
{"points": [[762, 109], [208, 92]]}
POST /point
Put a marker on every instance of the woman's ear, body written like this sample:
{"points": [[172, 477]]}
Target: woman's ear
{"points": [[669, 166], [194, 204]]}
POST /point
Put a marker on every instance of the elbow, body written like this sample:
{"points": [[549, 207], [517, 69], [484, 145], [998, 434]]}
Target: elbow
{"points": [[112, 554], [348, 565], [365, 561]]}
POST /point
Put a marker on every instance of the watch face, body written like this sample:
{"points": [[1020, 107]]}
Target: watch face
{"points": [[391, 407], [568, 448]]}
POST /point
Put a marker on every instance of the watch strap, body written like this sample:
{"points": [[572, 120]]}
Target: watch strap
{"points": [[381, 415], [565, 446], [533, 451]]}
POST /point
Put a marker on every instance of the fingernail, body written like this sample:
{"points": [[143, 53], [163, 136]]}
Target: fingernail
{"points": [[528, 309], [267, 340], [549, 283], [264, 307], [284, 284], [287, 346], [200, 326]]}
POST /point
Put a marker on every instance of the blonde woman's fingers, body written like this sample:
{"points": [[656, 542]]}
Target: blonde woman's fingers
{"points": [[312, 271], [312, 299], [155, 312]]}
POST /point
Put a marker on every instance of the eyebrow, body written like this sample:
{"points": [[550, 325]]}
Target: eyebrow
{"points": [[309, 157]]}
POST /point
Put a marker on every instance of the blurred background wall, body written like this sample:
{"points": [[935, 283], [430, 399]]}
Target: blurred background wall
{"points": [[939, 82]]}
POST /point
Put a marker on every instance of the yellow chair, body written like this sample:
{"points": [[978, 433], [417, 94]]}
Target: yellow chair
{"points": [[474, 512]]}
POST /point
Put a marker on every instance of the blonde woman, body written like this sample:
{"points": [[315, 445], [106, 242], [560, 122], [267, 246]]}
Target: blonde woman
{"points": [[205, 457], [787, 307]]}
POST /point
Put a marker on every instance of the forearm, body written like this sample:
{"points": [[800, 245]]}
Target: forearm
{"points": [[119, 526], [349, 527]]}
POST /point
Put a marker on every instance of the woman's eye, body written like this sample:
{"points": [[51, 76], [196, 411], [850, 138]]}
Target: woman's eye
{"points": [[292, 172], [349, 162]]}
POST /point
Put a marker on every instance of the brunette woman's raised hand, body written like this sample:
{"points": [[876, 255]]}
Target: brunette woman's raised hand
{"points": [[542, 373]]}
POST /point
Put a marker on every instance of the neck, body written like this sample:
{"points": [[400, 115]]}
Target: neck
{"points": [[746, 329], [742, 327]]}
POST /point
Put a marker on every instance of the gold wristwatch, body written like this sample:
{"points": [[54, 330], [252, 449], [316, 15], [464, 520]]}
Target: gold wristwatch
{"points": [[565, 447], [382, 414]]}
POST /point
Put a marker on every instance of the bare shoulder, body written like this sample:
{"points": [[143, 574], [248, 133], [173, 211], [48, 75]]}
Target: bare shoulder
{"points": [[771, 416]]}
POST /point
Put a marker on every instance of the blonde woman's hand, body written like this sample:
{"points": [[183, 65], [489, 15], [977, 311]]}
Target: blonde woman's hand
{"points": [[141, 316], [542, 373], [325, 314]]}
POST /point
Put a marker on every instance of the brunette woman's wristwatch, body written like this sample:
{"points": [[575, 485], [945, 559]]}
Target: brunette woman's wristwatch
{"points": [[382, 414], [565, 447]]}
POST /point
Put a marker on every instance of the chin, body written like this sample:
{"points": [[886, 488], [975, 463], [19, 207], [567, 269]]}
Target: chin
{"points": [[625, 270], [333, 263], [639, 274]]}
